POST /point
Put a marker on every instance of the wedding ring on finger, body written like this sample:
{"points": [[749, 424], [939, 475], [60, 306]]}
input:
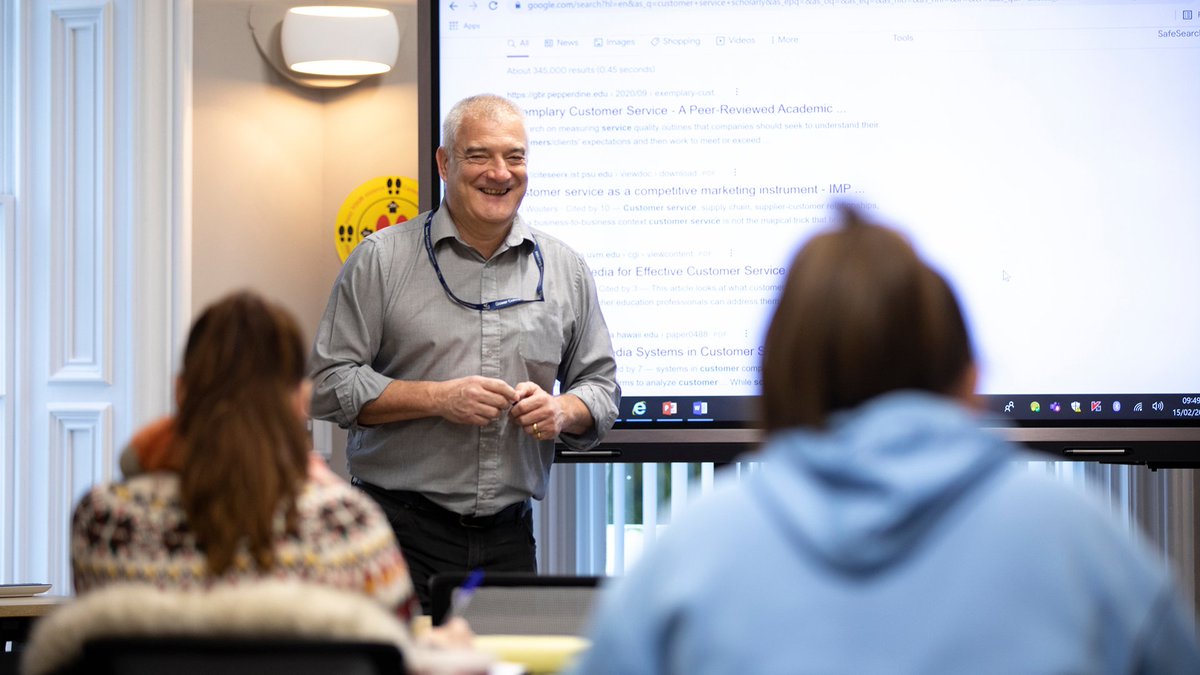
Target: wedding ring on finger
{"points": [[536, 434]]}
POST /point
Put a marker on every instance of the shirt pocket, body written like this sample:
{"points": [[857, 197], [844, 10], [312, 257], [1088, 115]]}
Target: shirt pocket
{"points": [[542, 341]]}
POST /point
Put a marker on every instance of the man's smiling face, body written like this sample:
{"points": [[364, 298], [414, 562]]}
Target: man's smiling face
{"points": [[485, 172]]}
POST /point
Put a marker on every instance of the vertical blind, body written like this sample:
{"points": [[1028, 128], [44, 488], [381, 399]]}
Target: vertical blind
{"points": [[599, 518]]}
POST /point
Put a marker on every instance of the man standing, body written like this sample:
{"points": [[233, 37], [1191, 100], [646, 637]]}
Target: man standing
{"points": [[440, 348]]}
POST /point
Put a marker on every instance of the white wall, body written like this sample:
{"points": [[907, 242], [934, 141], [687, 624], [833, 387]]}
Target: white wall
{"points": [[273, 161]]}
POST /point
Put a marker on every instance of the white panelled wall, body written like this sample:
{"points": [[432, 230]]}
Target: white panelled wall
{"points": [[90, 199]]}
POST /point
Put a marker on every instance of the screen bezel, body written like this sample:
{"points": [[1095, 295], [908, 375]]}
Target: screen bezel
{"points": [[1157, 443], [1155, 447]]}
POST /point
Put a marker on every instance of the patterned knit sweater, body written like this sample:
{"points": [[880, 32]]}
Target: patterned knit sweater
{"points": [[136, 531]]}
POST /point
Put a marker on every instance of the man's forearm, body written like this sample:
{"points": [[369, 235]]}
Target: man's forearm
{"points": [[474, 399], [577, 419], [400, 400]]}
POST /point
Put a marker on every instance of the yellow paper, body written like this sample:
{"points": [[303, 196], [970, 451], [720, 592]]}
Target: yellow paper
{"points": [[540, 654]]}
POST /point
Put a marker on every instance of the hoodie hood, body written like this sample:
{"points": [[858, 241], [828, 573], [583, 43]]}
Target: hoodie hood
{"points": [[867, 490]]}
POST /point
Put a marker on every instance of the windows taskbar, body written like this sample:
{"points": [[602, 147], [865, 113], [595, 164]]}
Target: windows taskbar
{"points": [[1049, 409]]}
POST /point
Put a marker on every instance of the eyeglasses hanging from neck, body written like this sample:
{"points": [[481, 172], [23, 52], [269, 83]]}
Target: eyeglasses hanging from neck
{"points": [[493, 304]]}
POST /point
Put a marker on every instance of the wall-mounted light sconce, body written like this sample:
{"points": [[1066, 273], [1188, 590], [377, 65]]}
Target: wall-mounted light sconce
{"points": [[328, 45]]}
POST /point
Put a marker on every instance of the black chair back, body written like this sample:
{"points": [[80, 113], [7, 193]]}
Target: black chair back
{"points": [[238, 656]]}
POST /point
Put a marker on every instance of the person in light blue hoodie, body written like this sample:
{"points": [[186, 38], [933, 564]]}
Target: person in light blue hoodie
{"points": [[886, 531]]}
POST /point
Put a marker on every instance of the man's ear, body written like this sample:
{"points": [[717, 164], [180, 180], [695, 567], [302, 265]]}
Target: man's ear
{"points": [[443, 159]]}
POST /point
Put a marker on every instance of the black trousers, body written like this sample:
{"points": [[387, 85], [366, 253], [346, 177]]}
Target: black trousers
{"points": [[435, 540]]}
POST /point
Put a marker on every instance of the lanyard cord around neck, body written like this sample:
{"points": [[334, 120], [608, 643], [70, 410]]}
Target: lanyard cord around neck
{"points": [[485, 306]]}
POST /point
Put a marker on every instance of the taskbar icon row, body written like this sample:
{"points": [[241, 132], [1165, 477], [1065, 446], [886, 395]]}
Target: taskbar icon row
{"points": [[669, 409], [1110, 406]]}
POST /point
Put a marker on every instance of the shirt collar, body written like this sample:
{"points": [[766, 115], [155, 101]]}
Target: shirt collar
{"points": [[443, 227]]}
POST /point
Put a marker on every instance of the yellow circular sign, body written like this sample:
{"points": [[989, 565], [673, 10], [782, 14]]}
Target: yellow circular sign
{"points": [[372, 206]]}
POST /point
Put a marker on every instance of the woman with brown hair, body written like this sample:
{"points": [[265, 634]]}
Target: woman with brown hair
{"points": [[236, 493], [886, 531]]}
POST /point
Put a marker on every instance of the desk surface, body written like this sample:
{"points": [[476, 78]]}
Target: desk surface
{"points": [[31, 605]]}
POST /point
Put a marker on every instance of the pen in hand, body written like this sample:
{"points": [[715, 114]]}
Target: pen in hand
{"points": [[463, 594]]}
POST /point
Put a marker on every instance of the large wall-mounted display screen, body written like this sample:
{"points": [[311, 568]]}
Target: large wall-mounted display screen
{"points": [[1045, 155]]}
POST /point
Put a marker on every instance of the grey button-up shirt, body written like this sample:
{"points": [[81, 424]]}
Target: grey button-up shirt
{"points": [[389, 318]]}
